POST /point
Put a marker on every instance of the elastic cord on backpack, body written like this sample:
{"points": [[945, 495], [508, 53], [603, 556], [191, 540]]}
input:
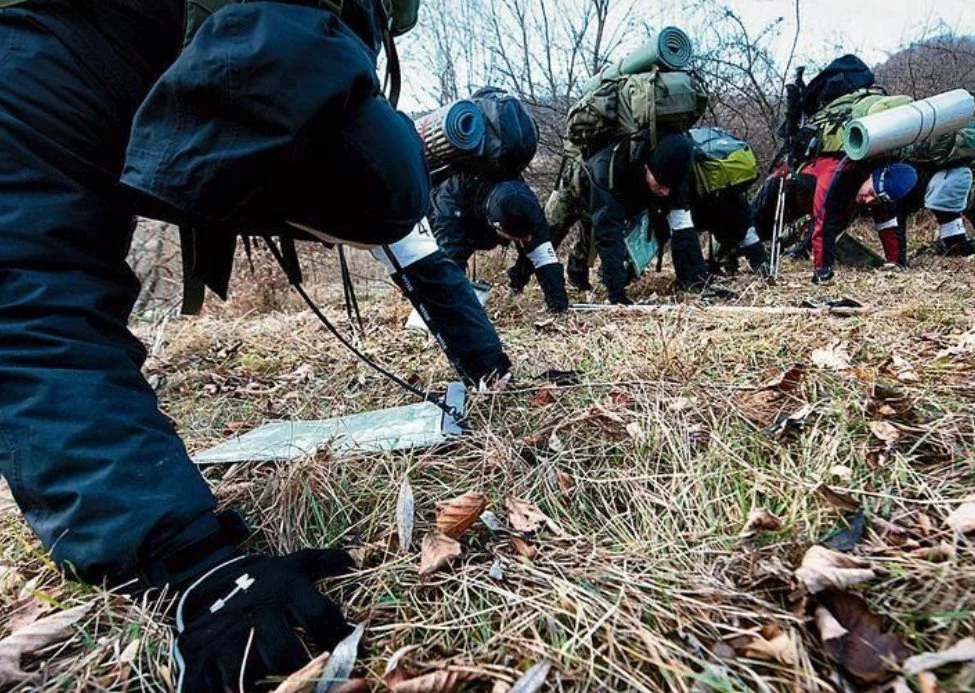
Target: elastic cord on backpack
{"points": [[445, 408]]}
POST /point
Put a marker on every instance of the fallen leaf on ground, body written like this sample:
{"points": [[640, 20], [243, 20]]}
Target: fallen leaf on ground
{"points": [[405, 513], [620, 399], [437, 551], [829, 627], [435, 682], [865, 651], [11, 580], [339, 666], [962, 520], [34, 637], [636, 432], [833, 357], [533, 679], [456, 515], [491, 521], [761, 519], [26, 612], [351, 686], [764, 407], [395, 672], [885, 431], [773, 644], [555, 443], [823, 569], [565, 482], [787, 380], [543, 397], [525, 516], [901, 369], [962, 651], [837, 499], [523, 547], [303, 680], [791, 423]]}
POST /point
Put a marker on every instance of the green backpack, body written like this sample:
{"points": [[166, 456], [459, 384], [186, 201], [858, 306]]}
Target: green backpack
{"points": [[951, 148], [622, 106], [722, 161], [830, 121]]}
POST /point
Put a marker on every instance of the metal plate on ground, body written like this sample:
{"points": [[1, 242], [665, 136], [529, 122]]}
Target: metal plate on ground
{"points": [[398, 428]]}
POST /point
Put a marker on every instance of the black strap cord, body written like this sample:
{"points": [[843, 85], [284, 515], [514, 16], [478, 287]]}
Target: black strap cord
{"points": [[443, 406]]}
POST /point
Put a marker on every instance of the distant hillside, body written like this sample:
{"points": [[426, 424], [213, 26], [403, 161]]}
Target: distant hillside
{"points": [[930, 67]]}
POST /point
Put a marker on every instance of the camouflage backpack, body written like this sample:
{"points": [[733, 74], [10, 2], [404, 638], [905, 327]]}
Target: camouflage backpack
{"points": [[633, 106], [829, 122], [953, 148], [721, 161]]}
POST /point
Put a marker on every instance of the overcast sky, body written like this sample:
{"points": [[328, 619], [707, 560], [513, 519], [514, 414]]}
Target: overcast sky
{"points": [[874, 28], [871, 28]]}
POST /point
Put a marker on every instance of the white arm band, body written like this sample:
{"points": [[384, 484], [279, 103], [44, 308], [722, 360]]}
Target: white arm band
{"points": [[403, 253], [543, 255], [680, 219]]}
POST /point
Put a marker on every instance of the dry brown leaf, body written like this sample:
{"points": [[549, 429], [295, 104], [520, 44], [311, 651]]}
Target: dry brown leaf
{"points": [[837, 499], [456, 515], [761, 519], [763, 407], [865, 651], [962, 651], [829, 627], [34, 637], [405, 514], [437, 551], [833, 357], [772, 644], [543, 397], [524, 516], [395, 672], [523, 547], [620, 399], [11, 580], [901, 369], [823, 569], [962, 520], [565, 482], [533, 679], [351, 686], [305, 679], [885, 431], [26, 612], [444, 681], [787, 380]]}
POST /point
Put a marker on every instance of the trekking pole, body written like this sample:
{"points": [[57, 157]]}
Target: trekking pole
{"points": [[778, 226]]}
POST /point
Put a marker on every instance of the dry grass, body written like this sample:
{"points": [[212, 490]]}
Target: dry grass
{"points": [[650, 581]]}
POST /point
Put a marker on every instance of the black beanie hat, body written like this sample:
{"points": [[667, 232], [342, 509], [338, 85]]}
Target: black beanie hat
{"points": [[670, 160], [513, 205]]}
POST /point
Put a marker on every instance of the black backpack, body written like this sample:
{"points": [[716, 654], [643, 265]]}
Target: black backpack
{"points": [[510, 138], [841, 77]]}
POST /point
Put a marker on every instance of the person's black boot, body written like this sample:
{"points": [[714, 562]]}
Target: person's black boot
{"points": [[959, 245], [757, 258], [823, 275], [577, 272], [689, 264]]}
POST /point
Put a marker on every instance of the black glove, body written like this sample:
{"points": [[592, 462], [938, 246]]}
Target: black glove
{"points": [[268, 596], [552, 281], [519, 274]]}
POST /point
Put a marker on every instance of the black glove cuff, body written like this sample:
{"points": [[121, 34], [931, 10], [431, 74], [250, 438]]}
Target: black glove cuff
{"points": [[179, 565]]}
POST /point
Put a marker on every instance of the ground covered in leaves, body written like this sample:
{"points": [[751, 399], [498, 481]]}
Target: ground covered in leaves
{"points": [[720, 501]]}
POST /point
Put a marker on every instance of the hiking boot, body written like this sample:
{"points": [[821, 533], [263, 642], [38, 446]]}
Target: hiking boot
{"points": [[757, 259], [823, 275], [958, 245], [578, 274]]}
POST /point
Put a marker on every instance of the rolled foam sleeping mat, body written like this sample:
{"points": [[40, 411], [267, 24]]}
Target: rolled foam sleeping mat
{"points": [[452, 132], [670, 49], [899, 127]]}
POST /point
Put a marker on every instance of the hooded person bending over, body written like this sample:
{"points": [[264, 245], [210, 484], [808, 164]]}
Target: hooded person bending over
{"points": [[271, 119], [470, 213], [616, 188], [829, 189]]}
